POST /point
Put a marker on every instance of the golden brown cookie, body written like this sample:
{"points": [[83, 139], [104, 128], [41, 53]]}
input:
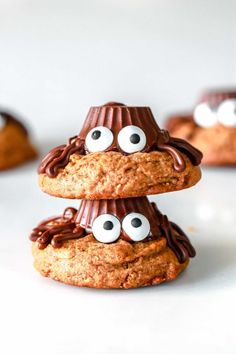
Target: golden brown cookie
{"points": [[211, 127], [112, 175], [89, 263], [120, 152], [217, 143], [15, 146], [121, 243]]}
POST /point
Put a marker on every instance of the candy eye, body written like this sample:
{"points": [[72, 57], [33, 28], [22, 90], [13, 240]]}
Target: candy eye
{"points": [[106, 228], [205, 116], [227, 113], [131, 139], [99, 139], [136, 226]]}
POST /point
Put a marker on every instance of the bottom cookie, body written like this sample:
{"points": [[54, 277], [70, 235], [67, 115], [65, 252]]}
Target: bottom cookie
{"points": [[88, 263], [124, 243]]}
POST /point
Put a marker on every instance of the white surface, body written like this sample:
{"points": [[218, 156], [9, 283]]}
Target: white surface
{"points": [[195, 313], [59, 57]]}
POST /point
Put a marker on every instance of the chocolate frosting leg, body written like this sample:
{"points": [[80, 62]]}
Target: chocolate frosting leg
{"points": [[59, 157], [57, 230], [178, 242], [193, 154]]}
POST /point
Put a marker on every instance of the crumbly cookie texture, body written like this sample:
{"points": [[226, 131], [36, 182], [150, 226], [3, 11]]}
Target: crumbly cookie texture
{"points": [[218, 143], [15, 147], [89, 263], [112, 175]]}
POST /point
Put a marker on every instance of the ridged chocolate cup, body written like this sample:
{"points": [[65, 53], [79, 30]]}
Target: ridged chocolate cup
{"points": [[116, 116], [89, 210], [215, 97]]}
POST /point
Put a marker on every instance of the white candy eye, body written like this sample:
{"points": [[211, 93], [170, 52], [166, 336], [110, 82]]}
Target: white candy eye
{"points": [[136, 226], [205, 116], [106, 228], [227, 113], [99, 139], [131, 139]]}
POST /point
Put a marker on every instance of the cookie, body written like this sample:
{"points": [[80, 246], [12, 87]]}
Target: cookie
{"points": [[211, 127], [15, 146], [120, 152], [88, 263], [114, 175], [121, 243]]}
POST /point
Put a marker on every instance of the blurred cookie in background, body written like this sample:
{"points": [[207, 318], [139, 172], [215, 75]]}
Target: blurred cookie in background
{"points": [[15, 145], [211, 127]]}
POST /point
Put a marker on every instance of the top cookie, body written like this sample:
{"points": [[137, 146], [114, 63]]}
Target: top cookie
{"points": [[119, 153]]}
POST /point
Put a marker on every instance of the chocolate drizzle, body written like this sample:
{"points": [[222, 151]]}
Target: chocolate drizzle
{"points": [[59, 157], [116, 116], [75, 224], [177, 240], [9, 118], [57, 230]]}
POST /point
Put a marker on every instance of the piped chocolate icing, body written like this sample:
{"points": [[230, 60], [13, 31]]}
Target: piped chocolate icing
{"points": [[56, 230], [74, 224], [9, 118], [116, 116]]}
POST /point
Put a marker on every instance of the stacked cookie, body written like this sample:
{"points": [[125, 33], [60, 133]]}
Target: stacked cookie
{"points": [[116, 238]]}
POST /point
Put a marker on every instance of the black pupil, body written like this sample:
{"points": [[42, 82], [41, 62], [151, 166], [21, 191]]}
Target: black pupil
{"points": [[96, 134], [136, 222], [108, 225], [134, 138]]}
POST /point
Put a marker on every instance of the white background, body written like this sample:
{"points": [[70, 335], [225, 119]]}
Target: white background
{"points": [[56, 59]]}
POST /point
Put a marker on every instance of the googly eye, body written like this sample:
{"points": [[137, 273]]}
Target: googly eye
{"points": [[227, 113], [131, 139], [106, 228], [136, 226], [99, 139], [205, 116]]}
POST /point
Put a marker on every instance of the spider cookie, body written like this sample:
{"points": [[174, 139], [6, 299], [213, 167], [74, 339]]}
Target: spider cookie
{"points": [[211, 127], [119, 153], [15, 146], [123, 243]]}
